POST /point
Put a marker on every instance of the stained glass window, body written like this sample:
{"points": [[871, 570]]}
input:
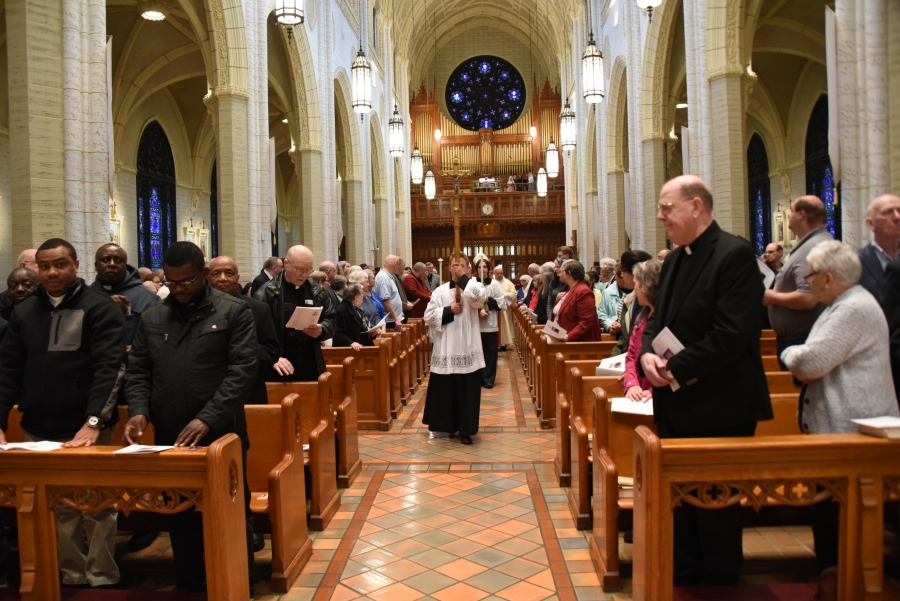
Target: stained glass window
{"points": [[485, 92], [760, 194], [819, 176], [214, 213], [155, 196]]}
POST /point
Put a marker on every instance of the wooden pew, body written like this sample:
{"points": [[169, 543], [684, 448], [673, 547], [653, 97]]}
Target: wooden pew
{"points": [[345, 421], [418, 334], [547, 389], [317, 430], [613, 458], [768, 347], [209, 479], [859, 472], [275, 476], [395, 369], [373, 400], [770, 363], [14, 432], [409, 340]]}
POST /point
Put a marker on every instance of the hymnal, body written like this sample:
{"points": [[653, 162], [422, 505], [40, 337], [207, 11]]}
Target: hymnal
{"points": [[626, 405], [666, 345], [883, 427]]}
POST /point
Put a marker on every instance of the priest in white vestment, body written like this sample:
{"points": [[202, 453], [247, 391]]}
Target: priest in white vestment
{"points": [[506, 318], [453, 400], [497, 301]]}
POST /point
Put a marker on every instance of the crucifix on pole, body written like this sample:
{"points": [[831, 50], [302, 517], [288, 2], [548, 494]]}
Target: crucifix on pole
{"points": [[456, 173]]}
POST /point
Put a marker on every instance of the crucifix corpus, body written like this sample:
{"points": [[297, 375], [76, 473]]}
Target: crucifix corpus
{"points": [[456, 173]]}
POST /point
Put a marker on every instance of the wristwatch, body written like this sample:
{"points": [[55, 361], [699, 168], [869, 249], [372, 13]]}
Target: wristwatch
{"points": [[93, 422]]}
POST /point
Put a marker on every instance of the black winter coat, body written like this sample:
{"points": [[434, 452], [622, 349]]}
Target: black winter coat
{"points": [[61, 364], [138, 295], [267, 339], [202, 368], [350, 326]]}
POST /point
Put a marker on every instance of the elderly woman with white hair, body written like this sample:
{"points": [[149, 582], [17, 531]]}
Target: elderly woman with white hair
{"points": [[844, 366]]}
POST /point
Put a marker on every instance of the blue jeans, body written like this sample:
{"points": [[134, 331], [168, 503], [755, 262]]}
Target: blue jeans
{"points": [[784, 343]]}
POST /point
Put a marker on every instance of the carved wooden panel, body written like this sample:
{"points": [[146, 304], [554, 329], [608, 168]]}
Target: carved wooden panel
{"points": [[8, 496], [97, 498], [758, 493]]}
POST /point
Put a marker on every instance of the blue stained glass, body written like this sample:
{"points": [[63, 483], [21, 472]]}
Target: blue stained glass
{"points": [[760, 223], [485, 91], [828, 199], [485, 123], [156, 248], [457, 97], [484, 67], [170, 229], [504, 74], [514, 94]]}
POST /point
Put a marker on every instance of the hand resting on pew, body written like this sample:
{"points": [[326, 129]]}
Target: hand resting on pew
{"points": [[85, 437], [192, 434], [283, 367], [134, 429]]}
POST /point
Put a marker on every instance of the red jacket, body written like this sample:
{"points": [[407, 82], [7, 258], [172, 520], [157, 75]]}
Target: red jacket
{"points": [[415, 289], [577, 315]]}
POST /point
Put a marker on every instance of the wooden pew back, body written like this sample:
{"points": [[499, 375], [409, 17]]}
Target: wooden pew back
{"points": [[548, 388], [345, 420], [372, 382]]}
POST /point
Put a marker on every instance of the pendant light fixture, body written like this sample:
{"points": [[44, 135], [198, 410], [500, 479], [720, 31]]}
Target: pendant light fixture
{"points": [[567, 134], [395, 134], [429, 185], [152, 10], [649, 5], [361, 74], [416, 165], [552, 159], [592, 72], [542, 182], [289, 12]]}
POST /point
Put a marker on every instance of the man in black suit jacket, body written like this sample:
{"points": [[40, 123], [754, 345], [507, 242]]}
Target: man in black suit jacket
{"points": [[890, 302], [271, 268], [709, 297], [883, 218]]}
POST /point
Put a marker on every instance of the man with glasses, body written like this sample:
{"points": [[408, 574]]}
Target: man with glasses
{"points": [[190, 371], [792, 307], [883, 218], [121, 282], [708, 297], [772, 257], [300, 357]]}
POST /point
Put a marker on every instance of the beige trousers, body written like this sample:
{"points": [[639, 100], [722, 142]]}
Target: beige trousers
{"points": [[86, 541]]}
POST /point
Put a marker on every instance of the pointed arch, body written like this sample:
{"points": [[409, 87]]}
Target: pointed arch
{"points": [[655, 70], [342, 97], [379, 160], [760, 199], [307, 127], [617, 119], [232, 64], [155, 185]]}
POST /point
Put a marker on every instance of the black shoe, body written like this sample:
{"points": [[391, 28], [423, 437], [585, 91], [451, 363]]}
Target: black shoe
{"points": [[629, 537], [141, 540], [488, 385], [259, 543], [465, 439]]}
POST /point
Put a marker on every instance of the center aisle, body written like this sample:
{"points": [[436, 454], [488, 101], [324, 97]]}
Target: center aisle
{"points": [[429, 518]]}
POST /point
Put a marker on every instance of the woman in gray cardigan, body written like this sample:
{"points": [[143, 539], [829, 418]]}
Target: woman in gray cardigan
{"points": [[844, 364]]}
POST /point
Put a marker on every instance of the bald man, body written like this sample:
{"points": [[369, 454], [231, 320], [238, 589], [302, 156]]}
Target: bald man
{"points": [[709, 296], [27, 259], [883, 218], [792, 307], [225, 277], [300, 351]]}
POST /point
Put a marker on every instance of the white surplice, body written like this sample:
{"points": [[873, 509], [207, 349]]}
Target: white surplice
{"points": [[457, 345], [506, 332]]}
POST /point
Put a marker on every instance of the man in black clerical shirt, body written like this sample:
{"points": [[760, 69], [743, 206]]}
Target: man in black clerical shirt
{"points": [[709, 295], [121, 282], [300, 358]]}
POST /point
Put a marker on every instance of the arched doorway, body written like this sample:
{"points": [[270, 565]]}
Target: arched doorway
{"points": [[155, 196], [819, 176], [760, 227]]}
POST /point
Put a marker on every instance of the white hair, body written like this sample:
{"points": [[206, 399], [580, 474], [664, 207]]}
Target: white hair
{"points": [[358, 277], [607, 265], [837, 258]]}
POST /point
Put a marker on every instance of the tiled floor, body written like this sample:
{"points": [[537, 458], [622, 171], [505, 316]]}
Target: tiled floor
{"points": [[429, 518]]}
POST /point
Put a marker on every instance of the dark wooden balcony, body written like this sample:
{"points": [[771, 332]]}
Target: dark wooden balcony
{"points": [[504, 207]]}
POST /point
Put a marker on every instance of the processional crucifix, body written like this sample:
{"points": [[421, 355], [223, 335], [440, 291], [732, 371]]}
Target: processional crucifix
{"points": [[456, 173]]}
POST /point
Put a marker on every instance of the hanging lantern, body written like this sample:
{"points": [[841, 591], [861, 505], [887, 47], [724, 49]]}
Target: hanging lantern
{"points": [[567, 128], [415, 166], [542, 182], [152, 10], [289, 12], [649, 5], [552, 160], [592, 72], [395, 134], [429, 185], [361, 74]]}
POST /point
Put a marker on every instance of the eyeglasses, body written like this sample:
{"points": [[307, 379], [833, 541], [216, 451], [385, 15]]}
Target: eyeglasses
{"points": [[808, 276], [666, 207], [299, 270], [172, 284]]}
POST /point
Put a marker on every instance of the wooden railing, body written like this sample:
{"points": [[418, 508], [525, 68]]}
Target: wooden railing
{"points": [[505, 206]]}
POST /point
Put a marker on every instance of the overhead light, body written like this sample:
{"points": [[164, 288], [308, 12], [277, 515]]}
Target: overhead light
{"points": [[437, 134], [429, 185], [395, 134], [552, 159], [592, 72], [415, 165], [567, 134], [681, 105], [542, 182], [533, 131], [649, 5], [284, 120], [153, 10], [289, 12], [361, 74]]}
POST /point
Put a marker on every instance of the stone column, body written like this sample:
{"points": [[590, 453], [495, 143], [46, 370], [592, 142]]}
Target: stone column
{"points": [[653, 237], [358, 251], [729, 175], [312, 185], [229, 109], [616, 240], [35, 63]]}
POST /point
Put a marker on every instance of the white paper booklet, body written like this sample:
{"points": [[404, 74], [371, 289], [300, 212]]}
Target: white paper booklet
{"points": [[626, 405], [553, 329], [611, 366], [44, 445], [666, 345], [303, 317], [885, 426], [380, 324], [142, 449], [768, 276]]}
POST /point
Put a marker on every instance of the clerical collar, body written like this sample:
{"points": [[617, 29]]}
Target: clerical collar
{"points": [[701, 239]]}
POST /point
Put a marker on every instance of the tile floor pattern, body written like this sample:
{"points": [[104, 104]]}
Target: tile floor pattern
{"points": [[428, 518]]}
